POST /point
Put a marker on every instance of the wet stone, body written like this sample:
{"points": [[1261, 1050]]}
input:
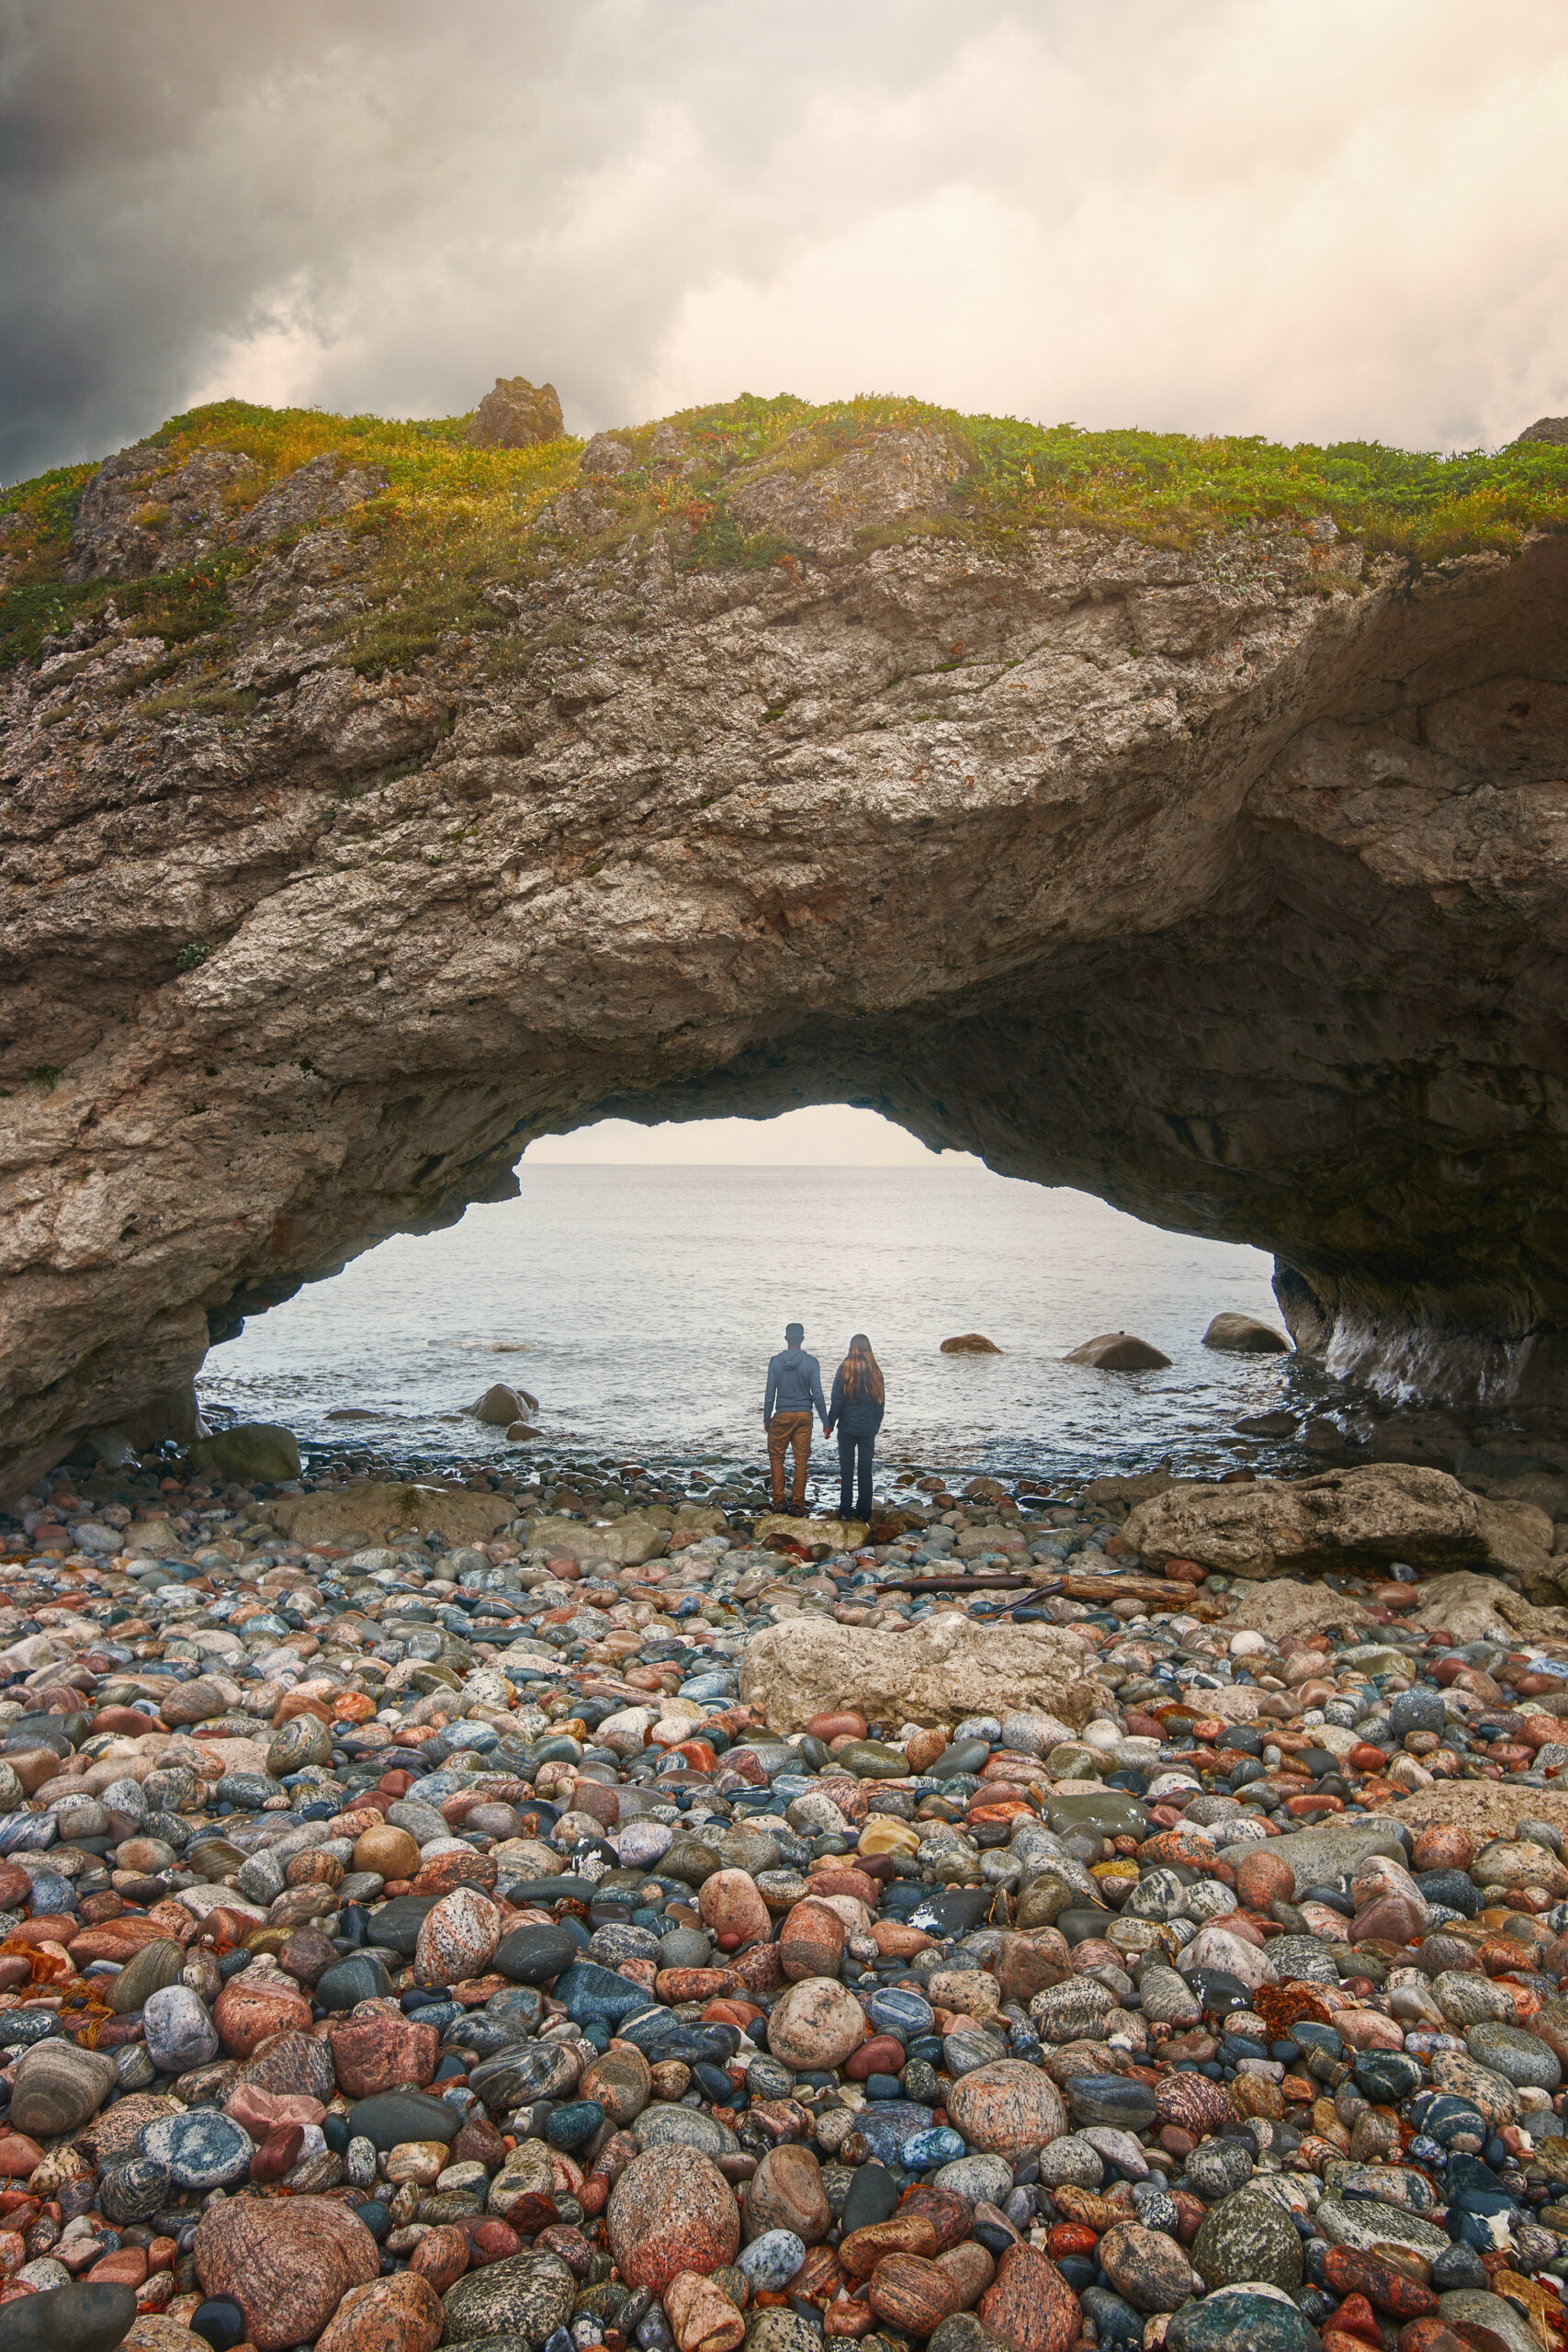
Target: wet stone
{"points": [[1217, 2170], [77, 2318], [1145, 2267], [772, 2259], [202, 2149], [1494, 2097], [391, 2118], [1243, 2319], [1519, 2057], [134, 2191], [1007, 2108], [1119, 2101], [526, 2297], [1248, 2237], [671, 2210], [1029, 2306]]}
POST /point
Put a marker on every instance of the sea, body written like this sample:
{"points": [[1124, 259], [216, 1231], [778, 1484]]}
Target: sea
{"points": [[639, 1306]]}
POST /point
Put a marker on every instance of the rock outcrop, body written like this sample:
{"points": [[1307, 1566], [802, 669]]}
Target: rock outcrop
{"points": [[516, 415], [1342, 1519], [938, 1672], [1227, 884]]}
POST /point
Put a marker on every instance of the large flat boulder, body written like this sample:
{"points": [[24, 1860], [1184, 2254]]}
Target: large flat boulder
{"points": [[383, 1505], [937, 1673], [1290, 1606], [1364, 1516], [629, 1542], [1484, 1809], [1480, 1609]]}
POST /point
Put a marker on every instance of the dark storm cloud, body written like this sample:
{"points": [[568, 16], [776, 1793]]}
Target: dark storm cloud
{"points": [[1184, 212]]}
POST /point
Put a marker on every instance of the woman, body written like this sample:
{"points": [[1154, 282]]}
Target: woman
{"points": [[856, 1408]]}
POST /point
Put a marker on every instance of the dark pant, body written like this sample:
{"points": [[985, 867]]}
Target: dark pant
{"points": [[854, 1470]]}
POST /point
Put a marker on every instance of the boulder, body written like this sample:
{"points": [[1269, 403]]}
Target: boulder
{"points": [[1140, 1488], [1117, 1351], [1290, 1606], [516, 415], [1479, 1609], [936, 1673], [629, 1542], [381, 1505], [1519, 1537], [519, 1432], [1243, 1335], [835, 1534], [969, 1344], [501, 1405], [1483, 1809], [252, 1451], [1383, 1512]]}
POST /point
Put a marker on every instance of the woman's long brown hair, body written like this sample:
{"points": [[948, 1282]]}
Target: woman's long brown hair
{"points": [[861, 1373]]}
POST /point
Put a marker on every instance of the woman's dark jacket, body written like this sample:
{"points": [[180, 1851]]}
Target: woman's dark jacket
{"points": [[856, 1416]]}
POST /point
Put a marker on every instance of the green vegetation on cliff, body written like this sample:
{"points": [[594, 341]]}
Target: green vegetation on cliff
{"points": [[452, 515]]}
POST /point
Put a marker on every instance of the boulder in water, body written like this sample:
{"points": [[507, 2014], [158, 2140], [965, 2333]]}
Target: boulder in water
{"points": [[1118, 1351], [970, 1343], [1243, 1335], [501, 1405]]}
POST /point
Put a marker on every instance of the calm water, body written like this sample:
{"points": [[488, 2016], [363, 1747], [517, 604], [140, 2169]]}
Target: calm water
{"points": [[640, 1304]]}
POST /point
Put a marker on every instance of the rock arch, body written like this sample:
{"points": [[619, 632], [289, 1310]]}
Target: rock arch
{"points": [[1226, 884]]}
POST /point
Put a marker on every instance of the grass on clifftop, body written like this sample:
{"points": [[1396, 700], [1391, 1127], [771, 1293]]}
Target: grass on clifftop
{"points": [[452, 516]]}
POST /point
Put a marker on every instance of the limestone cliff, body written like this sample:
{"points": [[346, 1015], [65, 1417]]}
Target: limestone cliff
{"points": [[1226, 880]]}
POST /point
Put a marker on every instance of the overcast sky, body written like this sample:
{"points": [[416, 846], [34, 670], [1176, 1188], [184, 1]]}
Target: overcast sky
{"points": [[1310, 219]]}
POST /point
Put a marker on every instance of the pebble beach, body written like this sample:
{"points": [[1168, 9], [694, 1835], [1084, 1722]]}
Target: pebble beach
{"points": [[566, 1907]]}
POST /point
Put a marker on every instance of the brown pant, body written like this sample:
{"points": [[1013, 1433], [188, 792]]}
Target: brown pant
{"points": [[786, 1430]]}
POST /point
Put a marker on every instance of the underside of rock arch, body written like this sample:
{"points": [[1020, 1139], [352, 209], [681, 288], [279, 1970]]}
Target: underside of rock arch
{"points": [[1229, 884]]}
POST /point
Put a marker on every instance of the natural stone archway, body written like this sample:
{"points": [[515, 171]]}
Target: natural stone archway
{"points": [[1229, 884]]}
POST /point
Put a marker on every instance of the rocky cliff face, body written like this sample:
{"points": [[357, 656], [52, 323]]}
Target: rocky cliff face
{"points": [[1229, 884]]}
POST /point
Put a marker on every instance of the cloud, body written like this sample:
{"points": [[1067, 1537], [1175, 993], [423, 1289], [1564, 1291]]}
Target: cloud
{"points": [[1216, 215]]}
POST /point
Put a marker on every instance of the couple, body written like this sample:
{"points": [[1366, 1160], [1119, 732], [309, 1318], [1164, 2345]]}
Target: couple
{"points": [[795, 1386]]}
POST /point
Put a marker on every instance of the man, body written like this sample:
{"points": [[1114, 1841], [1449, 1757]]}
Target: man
{"points": [[795, 1386]]}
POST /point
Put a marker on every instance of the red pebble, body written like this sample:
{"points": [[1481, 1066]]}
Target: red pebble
{"points": [[1386, 2289], [1356, 2317], [1263, 1878], [278, 2153], [490, 2241], [881, 2055], [1433, 2334], [442, 2256], [1070, 2237], [1443, 1848]]}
